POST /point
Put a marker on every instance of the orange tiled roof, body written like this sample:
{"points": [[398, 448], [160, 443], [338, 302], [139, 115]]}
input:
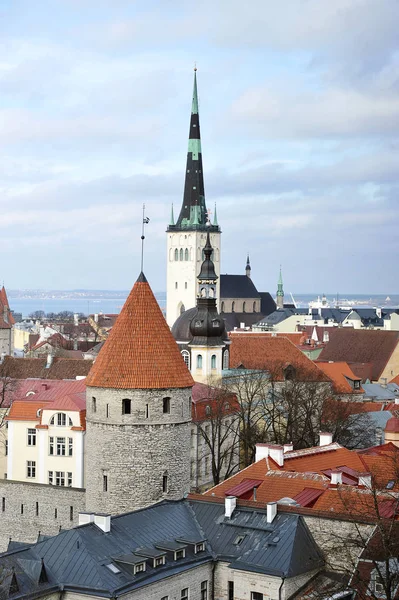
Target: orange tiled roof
{"points": [[140, 351], [339, 373], [24, 410], [326, 459], [259, 351], [395, 380]]}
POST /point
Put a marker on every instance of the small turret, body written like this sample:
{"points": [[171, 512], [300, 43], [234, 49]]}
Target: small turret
{"points": [[248, 268], [280, 292]]}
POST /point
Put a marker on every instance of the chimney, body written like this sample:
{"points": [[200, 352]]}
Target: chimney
{"points": [[229, 506], [44, 386], [277, 454], [76, 319], [365, 480], [325, 438], [103, 522], [288, 447], [336, 477], [96, 317], [326, 337], [85, 518], [49, 360], [384, 382], [271, 508]]}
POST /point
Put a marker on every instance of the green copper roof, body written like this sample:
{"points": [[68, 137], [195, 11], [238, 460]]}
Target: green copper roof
{"points": [[194, 105]]}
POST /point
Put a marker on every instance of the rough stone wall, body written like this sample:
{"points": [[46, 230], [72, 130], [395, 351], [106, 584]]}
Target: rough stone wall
{"points": [[246, 582], [169, 586], [6, 341], [339, 540], [27, 508], [134, 451]]}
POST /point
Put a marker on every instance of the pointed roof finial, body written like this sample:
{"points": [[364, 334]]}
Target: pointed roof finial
{"points": [[145, 221], [194, 105], [172, 216], [215, 217]]}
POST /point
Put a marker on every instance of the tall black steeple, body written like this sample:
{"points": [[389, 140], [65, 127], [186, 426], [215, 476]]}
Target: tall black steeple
{"points": [[193, 214]]}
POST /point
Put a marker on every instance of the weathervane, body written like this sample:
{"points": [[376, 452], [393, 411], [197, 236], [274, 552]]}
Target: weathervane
{"points": [[146, 220]]}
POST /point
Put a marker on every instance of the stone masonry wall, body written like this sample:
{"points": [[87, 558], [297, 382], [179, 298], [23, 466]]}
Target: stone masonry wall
{"points": [[29, 508], [169, 586], [135, 451]]}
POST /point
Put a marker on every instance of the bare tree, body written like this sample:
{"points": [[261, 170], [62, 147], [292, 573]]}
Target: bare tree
{"points": [[217, 420]]}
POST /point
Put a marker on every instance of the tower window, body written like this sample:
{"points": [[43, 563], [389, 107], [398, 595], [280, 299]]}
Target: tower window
{"points": [[213, 361], [105, 483], [176, 285], [147, 411], [165, 483], [226, 359], [176, 254], [181, 253], [254, 307], [222, 307], [126, 406], [186, 357], [186, 254], [243, 306], [233, 306], [185, 285], [166, 405], [93, 404], [199, 361]]}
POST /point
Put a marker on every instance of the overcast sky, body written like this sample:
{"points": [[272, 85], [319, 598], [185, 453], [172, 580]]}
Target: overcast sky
{"points": [[299, 112]]}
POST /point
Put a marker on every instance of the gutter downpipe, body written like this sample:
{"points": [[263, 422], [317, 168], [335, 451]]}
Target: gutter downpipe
{"points": [[280, 588], [213, 579]]}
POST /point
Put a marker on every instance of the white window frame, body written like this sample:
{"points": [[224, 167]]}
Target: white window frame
{"points": [[185, 594], [61, 445], [60, 478], [30, 469], [31, 435], [204, 590]]}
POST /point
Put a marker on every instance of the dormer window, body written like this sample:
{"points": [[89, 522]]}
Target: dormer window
{"points": [[199, 547], [356, 384], [139, 568], [159, 562], [179, 554], [60, 419]]}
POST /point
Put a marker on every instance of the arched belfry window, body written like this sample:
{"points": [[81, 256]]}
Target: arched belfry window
{"points": [[186, 254], [243, 306], [181, 253], [226, 359], [176, 254], [186, 357], [213, 361], [199, 361], [254, 307]]}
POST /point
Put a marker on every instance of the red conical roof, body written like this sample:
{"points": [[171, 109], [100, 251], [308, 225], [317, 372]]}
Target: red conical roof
{"points": [[140, 352]]}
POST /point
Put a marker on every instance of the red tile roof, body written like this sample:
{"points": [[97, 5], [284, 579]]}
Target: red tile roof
{"points": [[219, 401], [140, 351], [259, 351], [339, 373], [24, 410], [362, 346], [61, 368], [9, 322]]}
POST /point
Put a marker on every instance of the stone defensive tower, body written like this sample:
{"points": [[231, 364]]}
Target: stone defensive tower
{"points": [[138, 412], [187, 236]]}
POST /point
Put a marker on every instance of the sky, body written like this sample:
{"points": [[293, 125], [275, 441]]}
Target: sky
{"points": [[299, 113]]}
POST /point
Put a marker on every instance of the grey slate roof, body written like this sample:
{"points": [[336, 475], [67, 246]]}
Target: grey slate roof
{"points": [[237, 286], [77, 559], [375, 391], [267, 304]]}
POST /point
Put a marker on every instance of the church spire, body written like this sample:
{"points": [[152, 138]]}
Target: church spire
{"points": [[280, 292], [193, 213], [248, 267]]}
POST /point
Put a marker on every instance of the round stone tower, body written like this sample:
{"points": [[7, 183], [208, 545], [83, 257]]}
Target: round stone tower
{"points": [[138, 412]]}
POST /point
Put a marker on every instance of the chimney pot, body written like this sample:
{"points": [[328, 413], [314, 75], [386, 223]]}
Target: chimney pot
{"points": [[325, 438], [288, 447], [365, 480], [336, 477], [85, 518], [103, 522], [271, 508], [229, 506]]}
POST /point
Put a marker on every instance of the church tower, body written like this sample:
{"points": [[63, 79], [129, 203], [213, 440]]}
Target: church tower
{"points": [[280, 292], [186, 237], [138, 412]]}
